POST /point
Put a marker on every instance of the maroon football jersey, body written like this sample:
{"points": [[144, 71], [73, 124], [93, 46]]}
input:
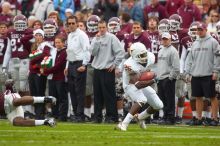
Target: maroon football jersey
{"points": [[3, 46], [175, 41], [143, 38], [186, 43], [121, 35], [2, 99], [154, 37], [91, 35], [20, 43]]}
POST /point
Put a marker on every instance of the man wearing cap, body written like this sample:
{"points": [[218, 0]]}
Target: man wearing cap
{"points": [[168, 68], [202, 68]]}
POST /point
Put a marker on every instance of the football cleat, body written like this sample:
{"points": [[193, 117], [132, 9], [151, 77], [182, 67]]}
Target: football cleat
{"points": [[121, 127], [50, 99], [50, 122]]}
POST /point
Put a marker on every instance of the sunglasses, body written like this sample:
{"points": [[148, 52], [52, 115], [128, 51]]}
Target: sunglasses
{"points": [[71, 23]]}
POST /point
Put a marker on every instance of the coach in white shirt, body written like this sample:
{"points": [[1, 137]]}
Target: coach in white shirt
{"points": [[78, 57]]}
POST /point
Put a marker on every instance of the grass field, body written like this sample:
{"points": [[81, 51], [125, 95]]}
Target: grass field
{"points": [[65, 134]]}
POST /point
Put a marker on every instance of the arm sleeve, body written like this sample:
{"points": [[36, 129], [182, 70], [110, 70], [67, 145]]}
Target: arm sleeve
{"points": [[216, 49], [175, 64], [183, 59], [84, 40], [118, 50], [95, 46], [7, 55], [188, 63]]}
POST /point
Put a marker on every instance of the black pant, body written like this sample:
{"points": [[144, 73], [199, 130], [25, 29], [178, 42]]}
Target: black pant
{"points": [[104, 94], [166, 92], [77, 87], [58, 90], [37, 85]]}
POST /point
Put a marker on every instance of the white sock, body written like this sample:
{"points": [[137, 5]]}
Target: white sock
{"points": [[39, 122], [203, 113], [143, 115], [194, 114], [38, 99], [208, 115], [87, 112], [218, 114], [121, 112], [127, 119], [161, 113], [180, 111], [92, 109]]}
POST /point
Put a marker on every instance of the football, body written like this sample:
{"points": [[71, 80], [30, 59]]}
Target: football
{"points": [[147, 75]]}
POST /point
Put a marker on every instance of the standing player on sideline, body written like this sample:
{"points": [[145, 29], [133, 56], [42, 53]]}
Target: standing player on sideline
{"points": [[92, 30], [186, 44], [4, 44], [177, 33], [11, 104], [16, 57], [140, 92]]}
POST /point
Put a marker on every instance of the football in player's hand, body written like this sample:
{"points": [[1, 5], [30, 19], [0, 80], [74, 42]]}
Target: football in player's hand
{"points": [[147, 75]]}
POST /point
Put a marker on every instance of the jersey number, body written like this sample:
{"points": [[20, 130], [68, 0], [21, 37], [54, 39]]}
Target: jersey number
{"points": [[15, 47]]}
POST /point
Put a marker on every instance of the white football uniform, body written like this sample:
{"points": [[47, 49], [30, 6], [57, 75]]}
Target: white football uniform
{"points": [[144, 95], [11, 110]]}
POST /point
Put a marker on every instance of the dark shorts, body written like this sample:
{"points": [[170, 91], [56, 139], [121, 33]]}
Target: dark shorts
{"points": [[203, 87]]}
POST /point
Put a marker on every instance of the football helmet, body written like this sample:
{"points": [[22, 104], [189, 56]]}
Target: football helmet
{"points": [[139, 53], [10, 85], [193, 30], [114, 25], [20, 22], [175, 22], [50, 28], [164, 26], [92, 23], [218, 28]]}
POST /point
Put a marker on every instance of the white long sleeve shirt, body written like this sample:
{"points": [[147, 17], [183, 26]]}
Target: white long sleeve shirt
{"points": [[78, 47]]}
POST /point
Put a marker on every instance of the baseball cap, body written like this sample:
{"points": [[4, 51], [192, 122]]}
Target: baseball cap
{"points": [[202, 26], [166, 35]]}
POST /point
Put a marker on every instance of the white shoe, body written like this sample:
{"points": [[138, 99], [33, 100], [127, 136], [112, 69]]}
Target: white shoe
{"points": [[121, 127], [140, 122], [50, 122]]}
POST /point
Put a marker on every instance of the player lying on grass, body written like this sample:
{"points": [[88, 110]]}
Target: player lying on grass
{"points": [[11, 104], [138, 91]]}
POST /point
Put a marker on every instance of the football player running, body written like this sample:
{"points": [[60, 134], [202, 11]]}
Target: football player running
{"points": [[11, 104], [139, 92]]}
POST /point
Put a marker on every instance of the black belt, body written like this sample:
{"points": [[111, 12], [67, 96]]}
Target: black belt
{"points": [[74, 62]]}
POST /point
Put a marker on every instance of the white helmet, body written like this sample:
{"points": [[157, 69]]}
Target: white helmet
{"points": [[139, 53]]}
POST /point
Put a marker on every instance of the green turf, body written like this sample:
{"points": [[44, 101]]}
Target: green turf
{"points": [[65, 134]]}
